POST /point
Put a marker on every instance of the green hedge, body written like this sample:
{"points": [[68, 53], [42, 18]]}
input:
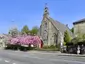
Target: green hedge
{"points": [[48, 48]]}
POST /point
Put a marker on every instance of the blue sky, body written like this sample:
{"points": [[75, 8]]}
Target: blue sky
{"points": [[30, 12]]}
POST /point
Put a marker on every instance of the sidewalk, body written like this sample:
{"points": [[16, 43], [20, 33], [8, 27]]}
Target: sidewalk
{"points": [[45, 52], [75, 55], [58, 53]]}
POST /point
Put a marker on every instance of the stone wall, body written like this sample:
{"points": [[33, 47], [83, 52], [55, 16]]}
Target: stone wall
{"points": [[79, 28], [52, 33], [44, 31]]}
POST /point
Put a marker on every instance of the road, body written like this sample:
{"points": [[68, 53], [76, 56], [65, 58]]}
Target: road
{"points": [[34, 57]]}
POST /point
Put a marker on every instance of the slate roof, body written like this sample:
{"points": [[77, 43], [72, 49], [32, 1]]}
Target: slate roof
{"points": [[79, 21], [61, 27]]}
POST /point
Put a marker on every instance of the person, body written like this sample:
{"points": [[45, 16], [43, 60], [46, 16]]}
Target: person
{"points": [[78, 49], [82, 49]]}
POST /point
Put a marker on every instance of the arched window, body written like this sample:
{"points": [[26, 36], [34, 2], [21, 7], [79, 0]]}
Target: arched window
{"points": [[55, 38], [45, 34], [45, 24]]}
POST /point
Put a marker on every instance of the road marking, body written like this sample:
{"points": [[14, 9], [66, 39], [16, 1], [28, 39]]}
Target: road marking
{"points": [[6, 61], [0, 59], [13, 63]]}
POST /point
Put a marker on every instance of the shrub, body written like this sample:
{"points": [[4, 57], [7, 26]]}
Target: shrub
{"points": [[51, 48], [67, 37], [64, 43]]}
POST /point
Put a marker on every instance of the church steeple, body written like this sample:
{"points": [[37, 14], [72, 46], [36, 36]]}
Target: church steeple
{"points": [[46, 13]]}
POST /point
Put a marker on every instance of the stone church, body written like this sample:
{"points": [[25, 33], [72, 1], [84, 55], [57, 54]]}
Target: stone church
{"points": [[50, 30]]}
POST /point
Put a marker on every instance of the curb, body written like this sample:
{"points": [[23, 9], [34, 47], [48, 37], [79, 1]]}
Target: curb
{"points": [[75, 55], [47, 51]]}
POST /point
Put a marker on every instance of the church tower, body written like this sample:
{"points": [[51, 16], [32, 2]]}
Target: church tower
{"points": [[46, 13]]}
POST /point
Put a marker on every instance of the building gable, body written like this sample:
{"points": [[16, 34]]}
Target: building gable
{"points": [[50, 29], [79, 27]]}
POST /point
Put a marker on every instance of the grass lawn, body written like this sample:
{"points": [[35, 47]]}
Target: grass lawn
{"points": [[48, 48]]}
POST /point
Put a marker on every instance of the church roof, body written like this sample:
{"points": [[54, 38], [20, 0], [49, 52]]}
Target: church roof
{"points": [[79, 21], [59, 26]]}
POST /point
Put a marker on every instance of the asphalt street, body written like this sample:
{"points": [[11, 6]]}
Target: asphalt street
{"points": [[35, 57]]}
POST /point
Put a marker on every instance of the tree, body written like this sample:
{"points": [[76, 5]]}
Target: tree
{"points": [[67, 37], [13, 32], [25, 30], [75, 40], [34, 30], [83, 36], [78, 38], [72, 30]]}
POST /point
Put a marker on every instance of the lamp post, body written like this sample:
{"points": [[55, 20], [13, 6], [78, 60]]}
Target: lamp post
{"points": [[61, 41]]}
